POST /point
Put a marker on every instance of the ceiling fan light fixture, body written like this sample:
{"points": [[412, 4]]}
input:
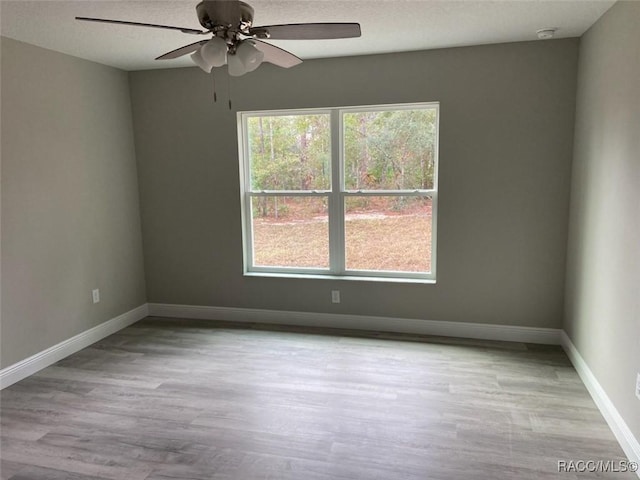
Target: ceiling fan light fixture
{"points": [[246, 59], [199, 61], [236, 67], [214, 52]]}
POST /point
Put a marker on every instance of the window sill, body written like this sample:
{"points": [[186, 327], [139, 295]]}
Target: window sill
{"points": [[362, 278]]}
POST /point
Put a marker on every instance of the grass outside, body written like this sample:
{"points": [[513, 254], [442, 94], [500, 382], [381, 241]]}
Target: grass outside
{"points": [[300, 244], [376, 238]]}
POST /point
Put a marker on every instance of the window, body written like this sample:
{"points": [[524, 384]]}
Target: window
{"points": [[340, 191]]}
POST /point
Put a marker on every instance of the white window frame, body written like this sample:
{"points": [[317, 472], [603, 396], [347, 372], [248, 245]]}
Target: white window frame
{"points": [[336, 197]]}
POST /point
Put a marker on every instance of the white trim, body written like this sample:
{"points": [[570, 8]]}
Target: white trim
{"points": [[16, 372], [617, 424], [340, 278], [336, 200], [508, 333]]}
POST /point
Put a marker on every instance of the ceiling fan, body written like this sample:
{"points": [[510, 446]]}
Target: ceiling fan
{"points": [[237, 42]]}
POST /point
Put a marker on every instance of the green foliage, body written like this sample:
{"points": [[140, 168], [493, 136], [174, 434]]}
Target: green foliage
{"points": [[290, 152], [389, 150]]}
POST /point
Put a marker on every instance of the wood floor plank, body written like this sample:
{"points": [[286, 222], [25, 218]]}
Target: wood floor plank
{"points": [[173, 399], [40, 473], [10, 469]]}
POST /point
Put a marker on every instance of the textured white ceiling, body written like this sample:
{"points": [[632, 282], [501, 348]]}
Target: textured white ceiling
{"points": [[387, 25]]}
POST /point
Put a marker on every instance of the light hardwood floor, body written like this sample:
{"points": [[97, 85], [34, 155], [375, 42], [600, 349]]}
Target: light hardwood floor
{"points": [[182, 399]]}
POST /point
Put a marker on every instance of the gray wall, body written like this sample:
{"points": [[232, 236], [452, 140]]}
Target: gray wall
{"points": [[603, 273], [507, 114], [70, 214]]}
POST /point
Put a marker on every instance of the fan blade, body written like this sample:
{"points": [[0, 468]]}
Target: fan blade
{"points": [[308, 31], [276, 55], [178, 52], [138, 24]]}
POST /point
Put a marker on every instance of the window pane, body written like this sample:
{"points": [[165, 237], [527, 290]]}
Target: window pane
{"points": [[390, 150], [290, 152], [290, 232], [391, 233]]}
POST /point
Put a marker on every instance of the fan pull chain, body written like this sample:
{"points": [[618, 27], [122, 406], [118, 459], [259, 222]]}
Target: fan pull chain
{"points": [[229, 89], [213, 77]]}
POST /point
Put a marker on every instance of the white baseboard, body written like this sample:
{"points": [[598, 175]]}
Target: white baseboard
{"points": [[623, 434], [16, 372], [549, 336]]}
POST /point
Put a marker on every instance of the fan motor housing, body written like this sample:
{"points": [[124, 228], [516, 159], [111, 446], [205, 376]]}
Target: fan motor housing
{"points": [[212, 13]]}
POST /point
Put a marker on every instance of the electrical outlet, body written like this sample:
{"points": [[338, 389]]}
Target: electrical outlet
{"points": [[335, 296], [95, 294], [638, 386]]}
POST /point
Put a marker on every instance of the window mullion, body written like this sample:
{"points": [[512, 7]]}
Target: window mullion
{"points": [[336, 201], [388, 193], [290, 193]]}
